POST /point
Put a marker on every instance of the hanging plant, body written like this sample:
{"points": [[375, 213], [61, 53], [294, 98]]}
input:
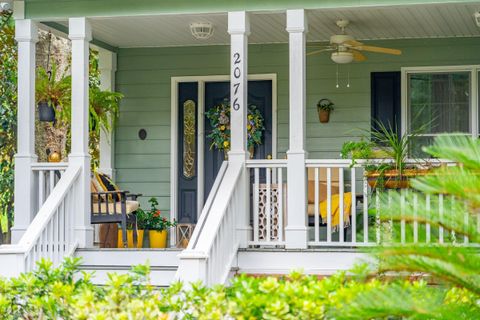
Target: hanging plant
{"points": [[324, 107], [53, 94], [219, 117]]}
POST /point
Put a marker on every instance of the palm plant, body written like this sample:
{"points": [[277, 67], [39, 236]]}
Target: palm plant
{"points": [[452, 266]]}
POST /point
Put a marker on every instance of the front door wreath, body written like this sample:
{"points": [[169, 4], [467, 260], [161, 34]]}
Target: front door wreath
{"points": [[219, 117]]}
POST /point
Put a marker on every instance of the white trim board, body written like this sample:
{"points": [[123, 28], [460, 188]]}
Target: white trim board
{"points": [[201, 132]]}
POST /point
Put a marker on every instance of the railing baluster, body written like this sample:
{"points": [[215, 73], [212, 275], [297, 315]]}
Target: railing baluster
{"points": [[402, 213], [466, 222], [316, 210], [41, 188], [415, 222], [378, 223], [280, 204], [427, 226], [268, 208], [329, 204], [51, 181], [341, 205], [440, 213], [256, 199], [353, 215], [61, 222], [365, 209], [452, 206]]}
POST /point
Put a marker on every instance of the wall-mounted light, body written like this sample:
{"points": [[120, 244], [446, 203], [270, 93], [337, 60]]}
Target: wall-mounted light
{"points": [[142, 134]]}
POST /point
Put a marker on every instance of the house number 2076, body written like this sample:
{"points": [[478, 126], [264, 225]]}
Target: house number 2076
{"points": [[236, 75]]}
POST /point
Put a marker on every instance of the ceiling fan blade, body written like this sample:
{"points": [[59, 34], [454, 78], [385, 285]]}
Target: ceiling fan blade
{"points": [[378, 49], [319, 51], [358, 56], [353, 43]]}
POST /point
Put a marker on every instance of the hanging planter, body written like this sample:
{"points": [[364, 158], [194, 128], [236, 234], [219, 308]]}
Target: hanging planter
{"points": [[324, 107], [46, 112]]}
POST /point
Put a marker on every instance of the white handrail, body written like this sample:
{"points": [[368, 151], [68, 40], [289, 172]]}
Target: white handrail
{"points": [[50, 235], [206, 208], [49, 166], [211, 251]]}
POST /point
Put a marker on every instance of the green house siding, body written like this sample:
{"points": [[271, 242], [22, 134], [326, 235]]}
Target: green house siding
{"points": [[144, 77]]}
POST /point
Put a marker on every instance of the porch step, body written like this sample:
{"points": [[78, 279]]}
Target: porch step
{"points": [[163, 263], [320, 262]]}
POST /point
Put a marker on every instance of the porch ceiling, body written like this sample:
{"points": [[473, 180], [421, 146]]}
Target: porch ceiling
{"points": [[367, 23]]}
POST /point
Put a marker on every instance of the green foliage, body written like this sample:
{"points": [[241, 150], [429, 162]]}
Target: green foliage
{"points": [[356, 150], [325, 104], [104, 109], [452, 266], [8, 118], [55, 90], [65, 293], [153, 219]]}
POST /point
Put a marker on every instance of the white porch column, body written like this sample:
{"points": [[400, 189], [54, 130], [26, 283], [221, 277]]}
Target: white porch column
{"points": [[296, 230], [107, 64], [239, 29], [26, 34], [80, 34]]}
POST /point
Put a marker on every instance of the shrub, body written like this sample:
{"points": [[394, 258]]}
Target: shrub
{"points": [[66, 293]]}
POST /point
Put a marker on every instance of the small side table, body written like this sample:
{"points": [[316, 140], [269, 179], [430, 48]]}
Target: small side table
{"points": [[184, 233]]}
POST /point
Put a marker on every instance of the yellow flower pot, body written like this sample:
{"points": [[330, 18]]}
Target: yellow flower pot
{"points": [[158, 239], [130, 239]]}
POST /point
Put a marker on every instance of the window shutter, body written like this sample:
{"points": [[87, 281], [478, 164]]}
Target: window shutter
{"points": [[386, 99]]}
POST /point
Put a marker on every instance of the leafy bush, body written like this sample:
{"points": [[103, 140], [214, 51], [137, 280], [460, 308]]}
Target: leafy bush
{"points": [[8, 118], [66, 293]]}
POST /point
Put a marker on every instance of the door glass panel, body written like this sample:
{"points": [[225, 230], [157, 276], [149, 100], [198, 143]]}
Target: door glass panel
{"points": [[189, 149]]}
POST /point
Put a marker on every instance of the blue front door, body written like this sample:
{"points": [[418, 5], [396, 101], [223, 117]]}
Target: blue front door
{"points": [[259, 94]]}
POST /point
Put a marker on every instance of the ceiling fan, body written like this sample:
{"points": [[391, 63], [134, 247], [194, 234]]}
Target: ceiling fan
{"points": [[346, 49]]}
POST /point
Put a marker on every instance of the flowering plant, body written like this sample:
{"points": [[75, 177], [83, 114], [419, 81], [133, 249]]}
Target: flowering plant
{"points": [[219, 117], [153, 219]]}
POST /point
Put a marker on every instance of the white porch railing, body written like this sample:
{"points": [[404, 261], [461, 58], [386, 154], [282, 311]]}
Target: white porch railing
{"points": [[268, 201], [51, 233], [214, 243], [47, 176]]}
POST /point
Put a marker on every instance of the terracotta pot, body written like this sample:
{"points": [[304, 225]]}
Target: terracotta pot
{"points": [[392, 178], [158, 239], [130, 239], [324, 115]]}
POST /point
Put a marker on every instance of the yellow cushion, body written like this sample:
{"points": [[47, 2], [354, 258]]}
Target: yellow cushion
{"points": [[131, 206], [335, 208]]}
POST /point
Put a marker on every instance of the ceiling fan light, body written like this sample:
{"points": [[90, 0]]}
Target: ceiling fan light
{"points": [[342, 57]]}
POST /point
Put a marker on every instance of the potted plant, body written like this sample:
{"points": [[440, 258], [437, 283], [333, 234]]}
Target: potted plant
{"points": [[53, 94], [387, 145], [157, 225], [324, 107]]}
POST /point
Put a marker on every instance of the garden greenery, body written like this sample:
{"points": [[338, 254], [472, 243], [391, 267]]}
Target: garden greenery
{"points": [[67, 293], [8, 118]]}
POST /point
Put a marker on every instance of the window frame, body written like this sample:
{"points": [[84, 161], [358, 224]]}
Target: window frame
{"points": [[474, 92]]}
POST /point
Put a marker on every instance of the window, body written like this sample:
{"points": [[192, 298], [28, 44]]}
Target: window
{"points": [[438, 101]]}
